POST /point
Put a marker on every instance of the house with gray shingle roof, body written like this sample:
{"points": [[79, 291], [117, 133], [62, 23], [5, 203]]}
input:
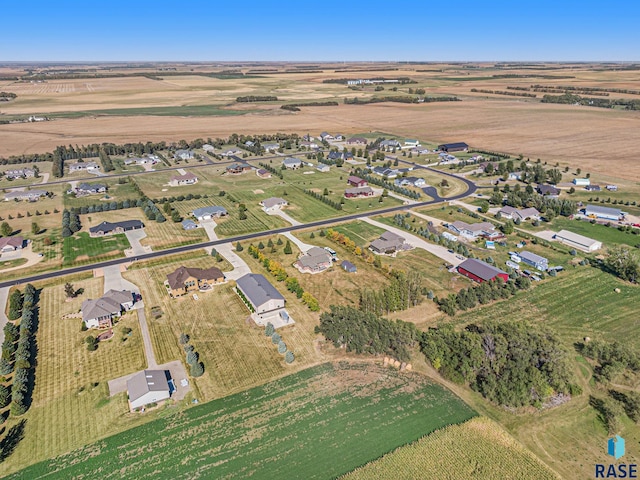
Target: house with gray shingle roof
{"points": [[99, 313], [207, 213], [148, 386], [273, 203], [314, 260], [265, 300], [292, 163]]}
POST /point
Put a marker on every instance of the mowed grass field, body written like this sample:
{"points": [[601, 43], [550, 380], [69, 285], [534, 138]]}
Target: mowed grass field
{"points": [[478, 449], [81, 248], [71, 405], [294, 427]]}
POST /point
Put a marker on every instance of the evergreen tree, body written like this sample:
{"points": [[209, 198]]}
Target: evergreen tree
{"points": [[287, 248]]}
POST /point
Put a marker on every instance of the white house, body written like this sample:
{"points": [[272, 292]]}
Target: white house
{"points": [[186, 179], [184, 154], [323, 167], [207, 213], [578, 242], [86, 166], [273, 203], [292, 163], [148, 386], [411, 143], [100, 312]]}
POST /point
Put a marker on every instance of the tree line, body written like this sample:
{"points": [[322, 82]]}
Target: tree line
{"points": [[399, 99], [256, 98], [403, 292], [502, 92]]}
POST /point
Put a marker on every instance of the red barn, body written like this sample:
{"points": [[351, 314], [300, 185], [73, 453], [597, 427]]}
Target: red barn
{"points": [[356, 181], [480, 271]]}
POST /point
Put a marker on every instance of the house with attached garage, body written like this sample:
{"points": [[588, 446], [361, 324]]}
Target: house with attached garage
{"points": [[28, 195], [474, 230], [292, 163], [186, 279], [389, 243], [273, 203], [520, 214], [314, 260], [326, 136], [231, 152], [238, 168], [100, 313], [83, 166], [358, 192], [271, 147], [267, 303], [309, 145], [536, 261], [186, 179], [409, 182], [108, 228], [184, 154], [357, 141], [479, 271], [548, 191], [19, 173], [11, 244], [389, 144], [207, 213], [148, 386], [90, 189], [385, 172]]}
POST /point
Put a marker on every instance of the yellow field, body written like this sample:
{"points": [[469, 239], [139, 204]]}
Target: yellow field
{"points": [[478, 449]]}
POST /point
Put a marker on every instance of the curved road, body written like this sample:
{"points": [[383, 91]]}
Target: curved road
{"points": [[471, 188]]}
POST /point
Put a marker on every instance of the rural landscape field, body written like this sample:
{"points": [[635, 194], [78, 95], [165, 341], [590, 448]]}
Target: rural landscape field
{"points": [[354, 270]]}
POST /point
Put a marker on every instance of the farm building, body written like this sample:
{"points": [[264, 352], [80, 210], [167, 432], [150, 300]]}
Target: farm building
{"points": [[605, 213], [453, 147], [108, 228], [347, 266], [358, 192], [314, 260], [548, 190], [184, 154], [184, 279], [388, 243], [207, 213], [238, 168], [188, 224], [579, 242], [611, 188], [480, 271], [356, 181], [29, 195], [262, 173], [292, 163], [534, 260], [263, 297], [148, 386], [11, 244], [100, 312], [323, 167], [273, 203], [186, 179], [581, 182]]}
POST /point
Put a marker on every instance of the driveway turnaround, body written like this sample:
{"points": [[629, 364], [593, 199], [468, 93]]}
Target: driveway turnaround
{"points": [[178, 373], [279, 213], [240, 267], [134, 237]]}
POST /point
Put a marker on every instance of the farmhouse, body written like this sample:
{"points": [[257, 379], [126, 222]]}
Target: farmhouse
{"points": [[323, 167], [80, 166], [186, 179], [534, 260], [207, 213], [90, 189], [357, 141], [148, 386], [262, 173], [99, 313], [358, 192], [356, 181], [579, 242], [184, 154], [347, 266], [11, 244], [29, 195], [238, 168], [20, 173], [188, 224], [453, 147], [474, 230], [149, 160], [548, 190], [314, 260], [521, 214], [410, 182], [273, 203], [389, 243], [480, 271], [292, 163], [605, 213], [184, 279], [262, 296], [108, 228], [581, 182]]}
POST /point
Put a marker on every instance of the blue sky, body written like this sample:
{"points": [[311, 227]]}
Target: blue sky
{"points": [[328, 30]]}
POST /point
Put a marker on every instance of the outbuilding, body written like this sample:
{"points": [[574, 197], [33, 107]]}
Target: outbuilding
{"points": [[148, 386], [479, 271], [579, 242]]}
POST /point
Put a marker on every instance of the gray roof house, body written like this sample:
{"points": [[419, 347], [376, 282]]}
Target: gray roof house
{"points": [[263, 296], [388, 243], [314, 260], [186, 179], [184, 154], [29, 195], [99, 313], [79, 166], [207, 213], [188, 224], [410, 181], [474, 230], [20, 173], [148, 386], [90, 189], [292, 163], [534, 260], [273, 203], [385, 172], [108, 228], [519, 213]]}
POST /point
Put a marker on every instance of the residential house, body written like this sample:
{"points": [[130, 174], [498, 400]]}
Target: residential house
{"points": [[536, 261], [83, 166], [389, 243], [149, 160], [514, 176], [409, 182], [11, 244], [358, 192], [578, 242], [338, 137], [273, 203], [411, 143], [207, 213], [146, 387], [208, 148], [184, 154], [612, 188], [593, 188], [90, 189], [605, 213], [326, 136], [314, 260], [348, 266], [347, 156], [521, 214], [186, 179], [310, 145], [581, 182], [335, 156], [389, 144], [453, 147], [449, 236], [108, 228], [231, 152], [292, 163], [265, 300], [238, 168], [357, 141], [356, 181], [271, 147], [19, 173], [474, 230], [188, 224], [28, 195], [187, 279], [548, 190], [100, 313], [262, 173], [419, 151], [479, 271], [323, 167], [385, 172]]}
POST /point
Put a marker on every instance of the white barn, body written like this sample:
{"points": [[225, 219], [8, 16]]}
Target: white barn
{"points": [[148, 386]]}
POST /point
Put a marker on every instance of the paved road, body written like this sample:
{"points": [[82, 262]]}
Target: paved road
{"points": [[239, 238], [4, 296]]}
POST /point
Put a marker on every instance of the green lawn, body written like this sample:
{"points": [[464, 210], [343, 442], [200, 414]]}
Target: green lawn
{"points": [[607, 235], [168, 111], [83, 247], [294, 427]]}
